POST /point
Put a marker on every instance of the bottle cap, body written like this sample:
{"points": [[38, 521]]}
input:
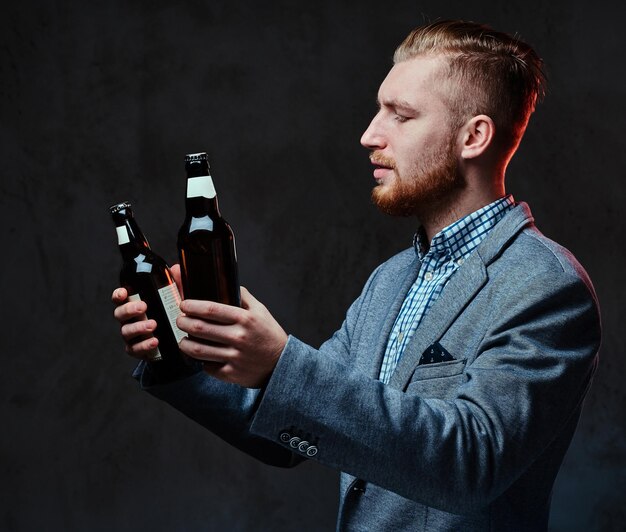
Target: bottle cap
{"points": [[196, 157], [120, 207]]}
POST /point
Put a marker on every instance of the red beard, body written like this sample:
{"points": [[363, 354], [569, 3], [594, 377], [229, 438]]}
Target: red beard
{"points": [[430, 184]]}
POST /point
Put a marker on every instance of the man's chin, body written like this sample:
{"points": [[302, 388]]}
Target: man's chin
{"points": [[385, 201]]}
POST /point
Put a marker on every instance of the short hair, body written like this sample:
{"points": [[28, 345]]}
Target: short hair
{"points": [[488, 72]]}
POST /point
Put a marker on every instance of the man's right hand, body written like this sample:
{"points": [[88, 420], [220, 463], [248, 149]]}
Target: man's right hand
{"points": [[137, 330]]}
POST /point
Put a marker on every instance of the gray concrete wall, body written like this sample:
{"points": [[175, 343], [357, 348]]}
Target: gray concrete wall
{"points": [[99, 104]]}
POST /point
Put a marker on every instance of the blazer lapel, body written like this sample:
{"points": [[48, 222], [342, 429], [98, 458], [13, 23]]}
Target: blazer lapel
{"points": [[458, 292], [384, 311], [461, 288]]}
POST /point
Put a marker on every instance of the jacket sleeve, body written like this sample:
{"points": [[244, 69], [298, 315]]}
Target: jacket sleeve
{"points": [[528, 380], [224, 409], [227, 409]]}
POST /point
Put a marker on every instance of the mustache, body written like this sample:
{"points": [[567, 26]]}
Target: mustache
{"points": [[379, 159]]}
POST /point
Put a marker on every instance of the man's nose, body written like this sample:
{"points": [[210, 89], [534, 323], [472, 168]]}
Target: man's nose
{"points": [[373, 138]]}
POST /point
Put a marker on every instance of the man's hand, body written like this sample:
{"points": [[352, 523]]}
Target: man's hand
{"points": [[137, 330], [237, 345]]}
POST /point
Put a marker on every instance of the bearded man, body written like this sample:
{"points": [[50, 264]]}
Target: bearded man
{"points": [[450, 394]]}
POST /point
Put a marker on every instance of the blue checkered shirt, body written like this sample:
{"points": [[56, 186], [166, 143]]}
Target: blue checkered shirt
{"points": [[448, 250]]}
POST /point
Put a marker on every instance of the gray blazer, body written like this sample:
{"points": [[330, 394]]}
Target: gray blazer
{"points": [[472, 443]]}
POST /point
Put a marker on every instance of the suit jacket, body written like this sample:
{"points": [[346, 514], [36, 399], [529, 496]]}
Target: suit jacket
{"points": [[472, 443]]}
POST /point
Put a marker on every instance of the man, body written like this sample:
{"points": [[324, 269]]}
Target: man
{"points": [[450, 394]]}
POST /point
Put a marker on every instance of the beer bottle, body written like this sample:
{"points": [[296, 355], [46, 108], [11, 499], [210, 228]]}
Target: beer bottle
{"points": [[146, 277], [206, 244]]}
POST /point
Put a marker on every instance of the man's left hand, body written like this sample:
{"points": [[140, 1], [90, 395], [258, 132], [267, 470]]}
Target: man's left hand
{"points": [[237, 345]]}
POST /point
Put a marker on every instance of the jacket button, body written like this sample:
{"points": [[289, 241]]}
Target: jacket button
{"points": [[303, 446], [359, 485], [293, 442], [311, 451], [285, 437]]}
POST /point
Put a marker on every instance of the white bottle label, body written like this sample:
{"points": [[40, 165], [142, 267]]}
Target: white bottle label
{"points": [[171, 303], [201, 187], [122, 235], [154, 354]]}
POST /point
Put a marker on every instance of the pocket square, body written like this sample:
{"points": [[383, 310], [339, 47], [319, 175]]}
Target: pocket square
{"points": [[435, 353]]}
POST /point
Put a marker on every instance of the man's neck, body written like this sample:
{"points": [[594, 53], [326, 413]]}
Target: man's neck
{"points": [[435, 218]]}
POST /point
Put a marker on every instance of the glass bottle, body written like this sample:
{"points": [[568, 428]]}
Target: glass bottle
{"points": [[206, 243], [147, 277]]}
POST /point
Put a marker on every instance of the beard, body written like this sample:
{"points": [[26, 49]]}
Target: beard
{"points": [[426, 187]]}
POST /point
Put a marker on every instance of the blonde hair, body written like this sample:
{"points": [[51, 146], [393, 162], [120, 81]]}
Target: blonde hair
{"points": [[487, 72]]}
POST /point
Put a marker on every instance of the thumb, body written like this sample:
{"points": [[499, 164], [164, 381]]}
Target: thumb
{"points": [[119, 295], [247, 299], [175, 269]]}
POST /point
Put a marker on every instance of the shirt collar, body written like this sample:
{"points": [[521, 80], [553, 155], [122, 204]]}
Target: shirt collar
{"points": [[460, 238]]}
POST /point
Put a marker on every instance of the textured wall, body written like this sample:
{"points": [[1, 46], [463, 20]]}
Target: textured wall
{"points": [[99, 104]]}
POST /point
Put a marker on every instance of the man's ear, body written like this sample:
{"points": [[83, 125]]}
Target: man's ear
{"points": [[477, 135]]}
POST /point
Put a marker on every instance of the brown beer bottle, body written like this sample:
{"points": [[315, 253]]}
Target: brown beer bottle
{"points": [[206, 244], [147, 277]]}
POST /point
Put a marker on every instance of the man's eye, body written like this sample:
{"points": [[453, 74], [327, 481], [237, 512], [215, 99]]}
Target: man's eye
{"points": [[400, 118]]}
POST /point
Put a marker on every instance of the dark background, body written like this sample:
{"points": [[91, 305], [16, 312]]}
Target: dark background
{"points": [[99, 103]]}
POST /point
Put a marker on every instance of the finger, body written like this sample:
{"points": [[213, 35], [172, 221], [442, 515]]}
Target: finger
{"points": [[175, 269], [119, 295], [211, 332], [211, 310], [133, 331], [144, 350], [206, 352], [133, 310], [247, 298], [248, 301]]}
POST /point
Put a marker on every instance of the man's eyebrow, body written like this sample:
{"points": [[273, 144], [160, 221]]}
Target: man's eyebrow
{"points": [[396, 104]]}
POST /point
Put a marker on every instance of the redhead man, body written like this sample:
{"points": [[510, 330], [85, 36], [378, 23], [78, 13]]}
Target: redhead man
{"points": [[449, 396]]}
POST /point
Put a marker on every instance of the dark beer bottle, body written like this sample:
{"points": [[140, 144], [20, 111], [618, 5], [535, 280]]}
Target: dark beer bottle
{"points": [[206, 244], [146, 277]]}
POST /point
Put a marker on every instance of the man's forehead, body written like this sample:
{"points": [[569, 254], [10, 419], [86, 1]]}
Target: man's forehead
{"points": [[408, 80]]}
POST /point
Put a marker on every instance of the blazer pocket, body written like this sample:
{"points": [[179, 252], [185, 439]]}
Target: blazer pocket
{"points": [[439, 380], [439, 370]]}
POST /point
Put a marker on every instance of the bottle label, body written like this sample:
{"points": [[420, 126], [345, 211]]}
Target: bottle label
{"points": [[201, 187], [170, 298], [122, 235], [154, 354]]}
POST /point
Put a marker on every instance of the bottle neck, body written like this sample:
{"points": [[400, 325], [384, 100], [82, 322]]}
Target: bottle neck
{"points": [[130, 238], [199, 206], [201, 197]]}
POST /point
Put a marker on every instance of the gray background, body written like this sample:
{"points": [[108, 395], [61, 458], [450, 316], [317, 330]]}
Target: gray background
{"points": [[100, 103]]}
